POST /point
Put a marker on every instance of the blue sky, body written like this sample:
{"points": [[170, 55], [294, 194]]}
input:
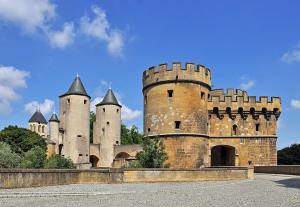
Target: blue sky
{"points": [[44, 43]]}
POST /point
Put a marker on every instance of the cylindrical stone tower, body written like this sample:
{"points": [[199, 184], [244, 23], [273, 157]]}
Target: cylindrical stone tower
{"points": [[54, 131], [175, 110], [75, 124], [108, 125]]}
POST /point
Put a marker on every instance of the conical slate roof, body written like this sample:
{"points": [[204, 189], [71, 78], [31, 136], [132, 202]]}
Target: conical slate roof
{"points": [[109, 99], [54, 118], [38, 117], [76, 88]]}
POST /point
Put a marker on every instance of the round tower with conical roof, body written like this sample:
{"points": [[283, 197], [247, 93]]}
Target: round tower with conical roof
{"points": [[54, 131], [37, 123], [108, 128], [74, 124]]}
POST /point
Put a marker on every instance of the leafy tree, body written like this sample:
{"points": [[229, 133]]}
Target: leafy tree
{"points": [[289, 155], [153, 154], [92, 120], [21, 140], [8, 159], [130, 136], [34, 158], [59, 162]]}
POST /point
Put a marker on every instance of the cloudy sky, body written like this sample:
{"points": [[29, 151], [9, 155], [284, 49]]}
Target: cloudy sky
{"points": [[252, 45]]}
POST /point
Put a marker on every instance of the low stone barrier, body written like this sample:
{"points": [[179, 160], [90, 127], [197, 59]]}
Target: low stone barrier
{"points": [[279, 169], [186, 175], [23, 178]]}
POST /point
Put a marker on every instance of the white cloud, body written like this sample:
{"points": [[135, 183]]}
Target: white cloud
{"points": [[291, 56], [100, 29], [29, 14], [247, 85], [11, 79], [62, 38], [295, 103], [45, 107]]}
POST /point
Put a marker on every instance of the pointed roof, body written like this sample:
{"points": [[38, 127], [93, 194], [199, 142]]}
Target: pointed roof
{"points": [[76, 88], [54, 118], [109, 99], [38, 117]]}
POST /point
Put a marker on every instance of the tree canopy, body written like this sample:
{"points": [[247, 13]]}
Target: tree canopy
{"points": [[130, 136], [289, 155], [21, 140]]}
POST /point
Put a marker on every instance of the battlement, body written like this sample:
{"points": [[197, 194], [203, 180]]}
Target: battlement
{"points": [[239, 99], [176, 73]]}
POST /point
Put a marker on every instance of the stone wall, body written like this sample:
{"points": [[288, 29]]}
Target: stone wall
{"points": [[22, 178], [279, 169]]}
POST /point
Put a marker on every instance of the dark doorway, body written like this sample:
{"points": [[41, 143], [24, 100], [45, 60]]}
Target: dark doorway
{"points": [[223, 155], [94, 160], [60, 147]]}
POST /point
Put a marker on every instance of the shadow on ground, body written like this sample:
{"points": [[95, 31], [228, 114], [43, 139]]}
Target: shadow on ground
{"points": [[290, 183]]}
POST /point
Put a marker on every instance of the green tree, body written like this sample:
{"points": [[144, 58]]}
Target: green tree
{"points": [[92, 120], [8, 159], [59, 162], [289, 155], [130, 136], [34, 158], [153, 154], [21, 140]]}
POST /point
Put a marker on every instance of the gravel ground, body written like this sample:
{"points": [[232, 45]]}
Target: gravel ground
{"points": [[264, 190]]}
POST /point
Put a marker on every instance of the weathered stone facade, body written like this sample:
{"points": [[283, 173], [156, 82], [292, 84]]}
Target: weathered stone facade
{"points": [[204, 127]]}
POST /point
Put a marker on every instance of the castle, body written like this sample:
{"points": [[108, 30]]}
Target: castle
{"points": [[199, 126]]}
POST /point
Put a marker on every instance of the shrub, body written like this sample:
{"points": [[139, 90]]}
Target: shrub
{"points": [[153, 154], [8, 159], [289, 155], [59, 162], [34, 158]]}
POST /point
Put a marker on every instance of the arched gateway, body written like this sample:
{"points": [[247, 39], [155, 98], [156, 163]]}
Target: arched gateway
{"points": [[222, 155]]}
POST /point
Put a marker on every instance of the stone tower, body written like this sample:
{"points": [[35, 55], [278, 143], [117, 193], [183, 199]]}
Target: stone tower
{"points": [[54, 131], [75, 124], [108, 128], [175, 110], [37, 123]]}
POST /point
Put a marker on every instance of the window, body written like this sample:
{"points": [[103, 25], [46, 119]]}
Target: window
{"points": [[234, 129], [39, 128], [117, 142], [202, 95], [208, 96], [170, 93], [103, 109], [149, 130], [257, 126], [79, 136], [145, 99], [80, 155], [68, 100], [43, 129], [84, 101], [103, 131], [177, 124], [107, 123], [118, 110]]}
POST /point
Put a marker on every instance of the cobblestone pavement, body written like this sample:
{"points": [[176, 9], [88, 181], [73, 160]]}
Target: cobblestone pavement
{"points": [[264, 190]]}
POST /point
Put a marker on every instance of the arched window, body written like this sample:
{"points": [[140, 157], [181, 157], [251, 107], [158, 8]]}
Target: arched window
{"points": [[216, 110], [39, 128], [234, 129], [228, 110], [43, 129], [240, 110], [34, 129]]}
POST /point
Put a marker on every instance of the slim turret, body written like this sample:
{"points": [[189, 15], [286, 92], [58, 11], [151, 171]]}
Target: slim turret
{"points": [[54, 131], [74, 123], [108, 128], [37, 123]]}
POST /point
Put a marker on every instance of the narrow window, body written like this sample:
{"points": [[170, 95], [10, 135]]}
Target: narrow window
{"points": [[145, 99], [234, 129], [43, 129], [149, 129], [80, 155], [107, 123], [39, 128], [257, 126], [177, 124], [202, 95], [103, 109], [68, 100], [117, 142], [84, 101], [79, 136], [208, 96], [118, 110], [170, 93]]}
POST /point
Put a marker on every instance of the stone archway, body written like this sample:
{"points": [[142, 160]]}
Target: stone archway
{"points": [[123, 155], [94, 160], [222, 155]]}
